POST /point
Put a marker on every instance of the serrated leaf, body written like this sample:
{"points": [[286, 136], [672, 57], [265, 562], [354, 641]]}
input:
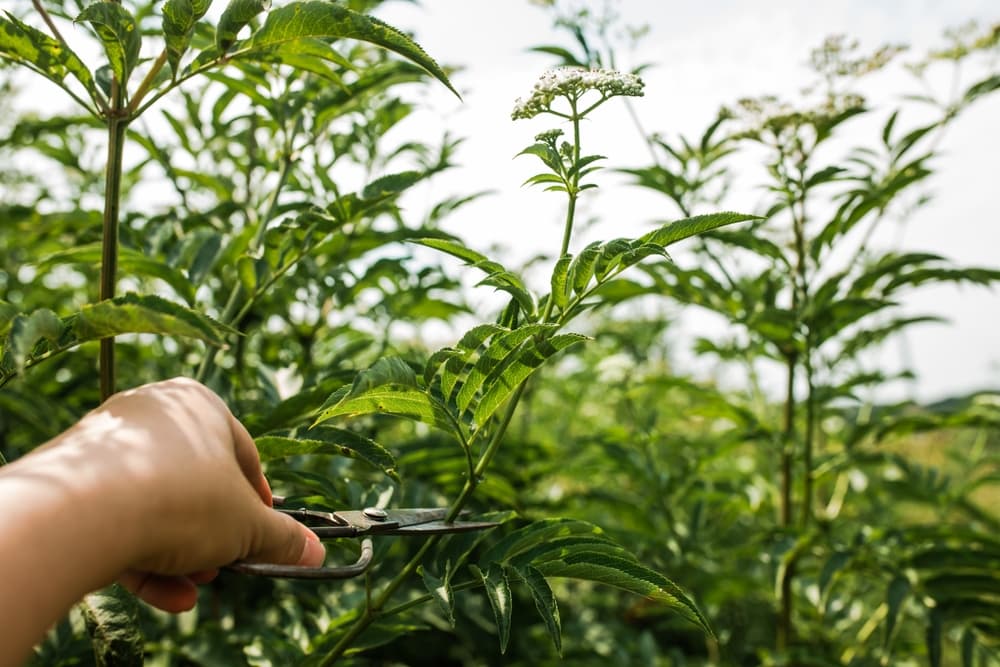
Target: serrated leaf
{"points": [[679, 230], [545, 602], [235, 17], [129, 261], [179, 20], [328, 440], [112, 619], [501, 346], [498, 593], [440, 590], [455, 249], [135, 313], [539, 532], [390, 184], [117, 29], [326, 20], [560, 282], [628, 575], [581, 269], [502, 384], [25, 45]]}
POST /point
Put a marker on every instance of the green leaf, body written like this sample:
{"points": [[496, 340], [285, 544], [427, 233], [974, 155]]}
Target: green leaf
{"points": [[237, 15], [987, 85], [682, 229], [560, 282], [26, 331], [328, 440], [440, 590], [899, 590], [28, 46], [581, 269], [129, 261], [545, 602], [545, 531], [179, 20], [329, 21], [498, 592], [626, 574], [135, 313], [455, 249], [116, 28], [389, 387], [502, 346], [390, 184], [503, 383], [112, 618], [7, 314]]}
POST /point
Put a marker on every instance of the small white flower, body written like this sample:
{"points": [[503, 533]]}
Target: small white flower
{"points": [[572, 83]]}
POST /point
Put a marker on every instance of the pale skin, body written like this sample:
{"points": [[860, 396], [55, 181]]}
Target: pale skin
{"points": [[155, 489]]}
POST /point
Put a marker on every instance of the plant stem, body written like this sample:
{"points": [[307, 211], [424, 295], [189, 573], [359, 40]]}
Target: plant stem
{"points": [[117, 123], [784, 628]]}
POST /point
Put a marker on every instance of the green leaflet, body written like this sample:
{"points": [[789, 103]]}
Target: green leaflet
{"points": [[495, 356], [545, 602], [390, 184], [112, 618], [237, 15], [498, 593], [327, 440], [312, 18], [25, 45], [440, 590], [116, 28], [130, 261], [679, 230], [560, 282], [28, 330], [179, 20], [136, 313], [529, 358], [629, 575], [388, 387]]}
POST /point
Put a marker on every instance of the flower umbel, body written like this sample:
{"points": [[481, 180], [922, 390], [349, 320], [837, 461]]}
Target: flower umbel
{"points": [[572, 83]]}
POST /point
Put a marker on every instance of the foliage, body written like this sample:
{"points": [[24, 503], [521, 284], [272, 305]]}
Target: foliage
{"points": [[257, 228]]}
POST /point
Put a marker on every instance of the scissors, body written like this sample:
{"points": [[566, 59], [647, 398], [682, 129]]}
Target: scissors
{"points": [[365, 523]]}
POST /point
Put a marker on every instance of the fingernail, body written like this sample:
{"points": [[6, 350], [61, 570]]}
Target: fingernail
{"points": [[313, 552]]}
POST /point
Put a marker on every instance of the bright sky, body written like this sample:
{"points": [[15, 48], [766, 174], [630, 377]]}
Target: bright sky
{"points": [[707, 54]]}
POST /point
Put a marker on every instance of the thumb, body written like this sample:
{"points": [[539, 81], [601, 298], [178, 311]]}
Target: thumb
{"points": [[285, 541]]}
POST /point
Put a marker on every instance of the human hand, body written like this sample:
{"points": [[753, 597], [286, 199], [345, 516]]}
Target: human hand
{"points": [[187, 477]]}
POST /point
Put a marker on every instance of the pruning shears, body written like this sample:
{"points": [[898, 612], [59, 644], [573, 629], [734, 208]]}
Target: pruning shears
{"points": [[366, 523]]}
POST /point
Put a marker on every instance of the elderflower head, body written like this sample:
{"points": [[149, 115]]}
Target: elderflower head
{"points": [[572, 83]]}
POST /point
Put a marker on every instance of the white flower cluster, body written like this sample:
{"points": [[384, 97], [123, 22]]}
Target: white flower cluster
{"points": [[573, 82]]}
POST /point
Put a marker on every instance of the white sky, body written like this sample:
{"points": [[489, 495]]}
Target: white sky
{"points": [[707, 54]]}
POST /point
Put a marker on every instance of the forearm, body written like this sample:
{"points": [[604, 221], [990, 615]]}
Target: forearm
{"points": [[64, 535]]}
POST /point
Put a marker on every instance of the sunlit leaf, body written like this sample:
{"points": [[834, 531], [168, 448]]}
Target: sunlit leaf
{"points": [[235, 17], [23, 44], [179, 20], [688, 227], [118, 32]]}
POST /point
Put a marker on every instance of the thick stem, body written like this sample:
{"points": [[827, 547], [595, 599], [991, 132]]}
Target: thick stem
{"points": [[117, 124]]}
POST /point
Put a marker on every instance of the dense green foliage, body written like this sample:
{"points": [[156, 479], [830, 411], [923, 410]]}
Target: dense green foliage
{"points": [[245, 227]]}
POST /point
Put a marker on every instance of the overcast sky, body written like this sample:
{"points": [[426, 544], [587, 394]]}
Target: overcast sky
{"points": [[707, 54]]}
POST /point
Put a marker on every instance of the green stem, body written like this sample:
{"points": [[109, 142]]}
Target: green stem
{"points": [[117, 123], [147, 82]]}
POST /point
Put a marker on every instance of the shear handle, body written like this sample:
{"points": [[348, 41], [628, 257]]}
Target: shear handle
{"points": [[299, 572]]}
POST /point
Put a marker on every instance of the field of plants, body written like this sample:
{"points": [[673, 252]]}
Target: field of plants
{"points": [[228, 198]]}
